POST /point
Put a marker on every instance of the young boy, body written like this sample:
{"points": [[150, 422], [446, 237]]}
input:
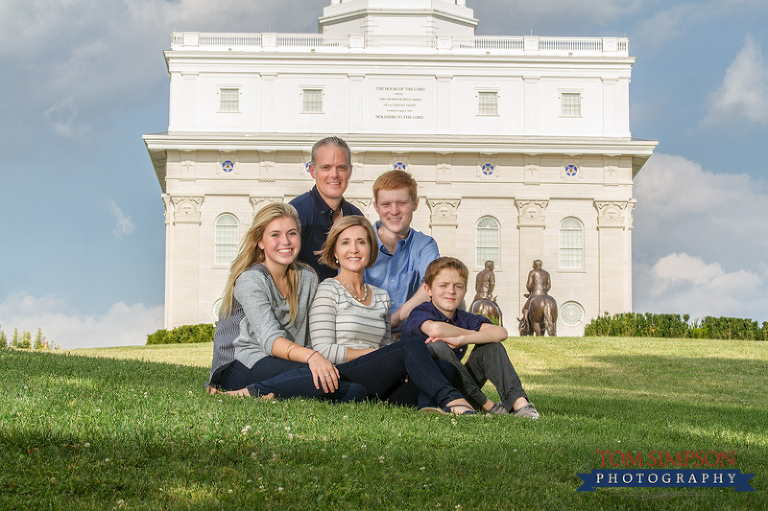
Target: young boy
{"points": [[448, 330]]}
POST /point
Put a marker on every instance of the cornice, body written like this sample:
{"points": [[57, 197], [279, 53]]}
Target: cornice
{"points": [[184, 141], [433, 58]]}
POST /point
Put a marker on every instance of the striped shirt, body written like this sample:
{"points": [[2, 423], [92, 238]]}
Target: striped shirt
{"points": [[337, 321]]}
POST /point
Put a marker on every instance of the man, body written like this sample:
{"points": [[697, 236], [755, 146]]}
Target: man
{"points": [[484, 283], [331, 167], [538, 283], [404, 252]]}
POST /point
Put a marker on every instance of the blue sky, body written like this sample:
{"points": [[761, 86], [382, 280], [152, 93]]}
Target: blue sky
{"points": [[82, 237]]}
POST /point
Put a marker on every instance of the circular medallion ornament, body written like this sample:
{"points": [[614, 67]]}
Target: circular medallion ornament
{"points": [[227, 166], [487, 169], [399, 166], [571, 170], [571, 313]]}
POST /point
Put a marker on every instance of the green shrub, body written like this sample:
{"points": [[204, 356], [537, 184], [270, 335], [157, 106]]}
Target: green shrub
{"points": [[185, 334], [629, 324], [733, 328]]}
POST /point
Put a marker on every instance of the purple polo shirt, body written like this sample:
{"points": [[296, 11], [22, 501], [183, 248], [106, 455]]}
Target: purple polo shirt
{"points": [[428, 312]]}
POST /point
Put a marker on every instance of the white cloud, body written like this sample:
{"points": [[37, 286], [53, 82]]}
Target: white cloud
{"points": [[683, 284], [743, 94], [665, 25], [699, 241], [551, 18], [124, 225], [121, 325], [79, 63]]}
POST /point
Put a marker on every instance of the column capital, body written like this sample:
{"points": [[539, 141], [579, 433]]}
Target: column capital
{"points": [[444, 211], [361, 204], [531, 212], [616, 214], [186, 209], [259, 202]]}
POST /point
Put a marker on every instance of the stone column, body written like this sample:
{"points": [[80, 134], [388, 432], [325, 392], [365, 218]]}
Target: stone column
{"points": [[443, 222], [531, 222], [356, 102], [614, 225], [442, 118], [268, 101], [182, 271]]}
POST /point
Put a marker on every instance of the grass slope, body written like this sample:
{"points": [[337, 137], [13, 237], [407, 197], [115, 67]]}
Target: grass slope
{"points": [[120, 429]]}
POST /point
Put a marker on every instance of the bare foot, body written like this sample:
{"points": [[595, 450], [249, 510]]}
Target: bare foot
{"points": [[241, 392]]}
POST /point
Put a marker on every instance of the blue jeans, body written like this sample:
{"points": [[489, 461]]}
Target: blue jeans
{"points": [[380, 373], [237, 376]]}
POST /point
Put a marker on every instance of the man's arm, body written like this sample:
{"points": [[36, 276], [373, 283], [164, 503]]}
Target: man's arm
{"points": [[402, 313], [428, 253], [455, 336]]}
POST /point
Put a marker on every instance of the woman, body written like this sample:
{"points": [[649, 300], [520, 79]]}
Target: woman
{"points": [[350, 323], [262, 330], [349, 318]]}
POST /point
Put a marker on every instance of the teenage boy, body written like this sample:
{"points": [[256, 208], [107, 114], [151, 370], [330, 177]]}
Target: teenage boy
{"points": [[448, 330], [404, 252], [330, 167]]}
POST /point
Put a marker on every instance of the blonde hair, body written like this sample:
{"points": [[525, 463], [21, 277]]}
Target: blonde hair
{"points": [[326, 254], [250, 253]]}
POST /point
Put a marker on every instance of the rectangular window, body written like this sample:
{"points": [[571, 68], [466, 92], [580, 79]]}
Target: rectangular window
{"points": [[570, 104], [229, 100], [312, 101], [488, 103]]}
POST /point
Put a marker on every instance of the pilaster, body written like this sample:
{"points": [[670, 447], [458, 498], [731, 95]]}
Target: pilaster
{"points": [[614, 226], [531, 221], [443, 222]]}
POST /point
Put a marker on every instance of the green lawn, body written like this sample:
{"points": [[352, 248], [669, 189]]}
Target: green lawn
{"points": [[131, 428]]}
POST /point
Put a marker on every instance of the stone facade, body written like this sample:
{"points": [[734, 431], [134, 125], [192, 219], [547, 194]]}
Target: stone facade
{"points": [[519, 144]]}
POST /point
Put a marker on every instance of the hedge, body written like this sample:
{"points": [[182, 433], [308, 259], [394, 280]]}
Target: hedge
{"points": [[183, 335], [630, 324]]}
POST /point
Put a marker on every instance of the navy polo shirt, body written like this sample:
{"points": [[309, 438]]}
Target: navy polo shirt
{"points": [[316, 219], [428, 312]]}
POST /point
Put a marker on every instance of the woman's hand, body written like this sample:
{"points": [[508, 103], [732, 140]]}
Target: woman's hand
{"points": [[324, 373]]}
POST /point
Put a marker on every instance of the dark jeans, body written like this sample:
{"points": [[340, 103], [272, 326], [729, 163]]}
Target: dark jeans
{"points": [[408, 394], [486, 362], [237, 376], [380, 373]]}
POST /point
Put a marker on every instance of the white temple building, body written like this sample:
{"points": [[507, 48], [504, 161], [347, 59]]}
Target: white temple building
{"points": [[521, 146]]}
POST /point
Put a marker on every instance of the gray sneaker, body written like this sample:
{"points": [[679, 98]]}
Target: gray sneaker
{"points": [[498, 409], [528, 411]]}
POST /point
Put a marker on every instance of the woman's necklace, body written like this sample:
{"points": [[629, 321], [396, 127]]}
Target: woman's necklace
{"points": [[352, 291]]}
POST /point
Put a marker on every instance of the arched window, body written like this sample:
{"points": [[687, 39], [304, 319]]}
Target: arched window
{"points": [[571, 244], [226, 236], [487, 241]]}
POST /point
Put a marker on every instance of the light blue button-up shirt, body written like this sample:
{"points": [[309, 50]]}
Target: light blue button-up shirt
{"points": [[401, 273]]}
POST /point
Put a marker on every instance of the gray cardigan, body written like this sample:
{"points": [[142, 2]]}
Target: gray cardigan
{"points": [[260, 315]]}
